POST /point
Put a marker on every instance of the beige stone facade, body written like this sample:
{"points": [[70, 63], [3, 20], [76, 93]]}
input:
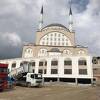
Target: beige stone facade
{"points": [[56, 55], [96, 69], [63, 49]]}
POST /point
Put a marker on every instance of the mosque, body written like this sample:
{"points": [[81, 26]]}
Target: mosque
{"points": [[56, 55]]}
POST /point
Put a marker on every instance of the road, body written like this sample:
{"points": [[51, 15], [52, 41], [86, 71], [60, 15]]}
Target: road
{"points": [[52, 93]]}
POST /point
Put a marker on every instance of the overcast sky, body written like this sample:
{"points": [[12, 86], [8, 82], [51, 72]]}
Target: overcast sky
{"points": [[19, 22]]}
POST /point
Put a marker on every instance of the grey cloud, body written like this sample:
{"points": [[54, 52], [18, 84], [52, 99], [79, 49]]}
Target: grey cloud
{"points": [[88, 27], [80, 6], [10, 45], [22, 17]]}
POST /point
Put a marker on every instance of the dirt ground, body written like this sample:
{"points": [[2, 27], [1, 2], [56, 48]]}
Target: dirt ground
{"points": [[58, 92]]}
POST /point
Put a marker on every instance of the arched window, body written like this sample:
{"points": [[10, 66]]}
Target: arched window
{"points": [[82, 70], [59, 39], [68, 52], [68, 66], [42, 52], [54, 62], [81, 52], [67, 62], [28, 53], [82, 62], [54, 66]]}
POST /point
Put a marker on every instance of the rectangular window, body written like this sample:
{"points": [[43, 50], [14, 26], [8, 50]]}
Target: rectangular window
{"points": [[82, 62], [40, 63], [58, 43], [45, 71], [83, 71], [54, 71], [33, 71], [67, 71], [54, 43], [21, 64], [33, 63], [42, 43], [54, 63], [41, 71], [45, 63], [51, 34], [62, 39], [14, 65], [58, 35], [67, 63]]}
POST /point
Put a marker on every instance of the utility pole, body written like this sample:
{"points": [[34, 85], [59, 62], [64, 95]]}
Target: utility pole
{"points": [[43, 71]]}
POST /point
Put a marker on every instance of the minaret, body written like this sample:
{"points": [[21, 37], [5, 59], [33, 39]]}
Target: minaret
{"points": [[70, 19], [41, 19]]}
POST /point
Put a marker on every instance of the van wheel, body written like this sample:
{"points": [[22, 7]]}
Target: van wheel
{"points": [[29, 85]]}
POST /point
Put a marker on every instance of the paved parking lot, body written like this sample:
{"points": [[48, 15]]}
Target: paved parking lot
{"points": [[57, 92]]}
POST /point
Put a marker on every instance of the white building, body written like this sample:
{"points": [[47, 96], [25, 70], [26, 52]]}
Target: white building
{"points": [[56, 55]]}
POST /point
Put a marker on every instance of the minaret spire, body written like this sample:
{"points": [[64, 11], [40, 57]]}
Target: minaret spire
{"points": [[70, 18], [70, 12], [41, 19]]}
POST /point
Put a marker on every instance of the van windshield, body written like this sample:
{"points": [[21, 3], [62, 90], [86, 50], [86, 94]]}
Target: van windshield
{"points": [[36, 76], [1, 81], [3, 70]]}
